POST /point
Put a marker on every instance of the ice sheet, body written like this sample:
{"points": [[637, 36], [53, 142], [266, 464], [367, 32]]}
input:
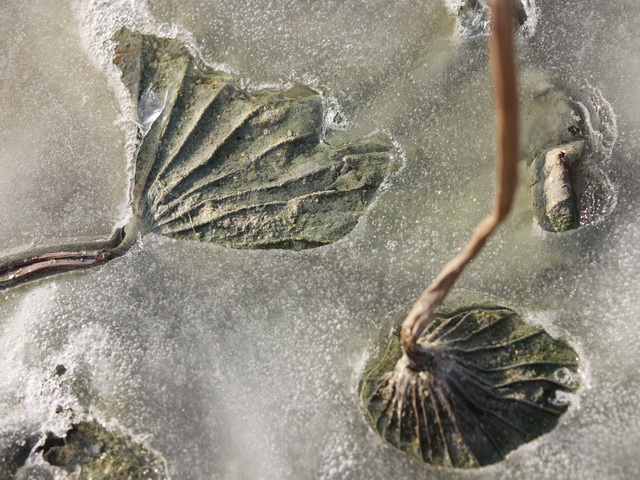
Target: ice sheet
{"points": [[62, 160], [244, 364]]}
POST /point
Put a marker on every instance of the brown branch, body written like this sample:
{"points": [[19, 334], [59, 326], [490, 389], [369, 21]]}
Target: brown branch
{"points": [[506, 102]]}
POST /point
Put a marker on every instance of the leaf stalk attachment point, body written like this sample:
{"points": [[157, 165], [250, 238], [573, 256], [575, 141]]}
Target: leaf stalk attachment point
{"points": [[501, 50]]}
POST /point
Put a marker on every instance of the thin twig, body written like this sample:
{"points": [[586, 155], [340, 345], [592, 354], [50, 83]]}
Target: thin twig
{"points": [[506, 102]]}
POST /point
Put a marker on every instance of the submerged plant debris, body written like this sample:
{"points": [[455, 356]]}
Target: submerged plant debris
{"points": [[492, 383], [473, 16], [90, 451], [15, 447]]}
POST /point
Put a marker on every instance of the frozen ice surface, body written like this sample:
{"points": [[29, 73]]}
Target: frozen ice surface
{"points": [[244, 364], [62, 159]]}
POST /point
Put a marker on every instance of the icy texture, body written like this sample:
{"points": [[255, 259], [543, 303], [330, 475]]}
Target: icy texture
{"points": [[473, 16], [238, 364], [62, 161]]}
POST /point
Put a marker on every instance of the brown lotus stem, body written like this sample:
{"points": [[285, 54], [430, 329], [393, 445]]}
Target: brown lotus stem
{"points": [[501, 52], [83, 256]]}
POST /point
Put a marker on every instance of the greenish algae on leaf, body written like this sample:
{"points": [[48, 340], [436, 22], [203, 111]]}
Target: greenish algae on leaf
{"points": [[492, 382]]}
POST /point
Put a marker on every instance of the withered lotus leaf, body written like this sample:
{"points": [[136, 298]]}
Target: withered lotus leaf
{"points": [[492, 382], [218, 163]]}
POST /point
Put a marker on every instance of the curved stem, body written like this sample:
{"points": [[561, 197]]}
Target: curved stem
{"points": [[23, 270], [506, 102]]}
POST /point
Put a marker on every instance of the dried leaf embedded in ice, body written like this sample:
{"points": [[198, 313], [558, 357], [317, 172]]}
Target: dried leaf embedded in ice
{"points": [[492, 383], [15, 447], [245, 169], [220, 164]]}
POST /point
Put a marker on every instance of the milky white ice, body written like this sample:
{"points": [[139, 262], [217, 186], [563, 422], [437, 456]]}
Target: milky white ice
{"points": [[237, 364]]}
